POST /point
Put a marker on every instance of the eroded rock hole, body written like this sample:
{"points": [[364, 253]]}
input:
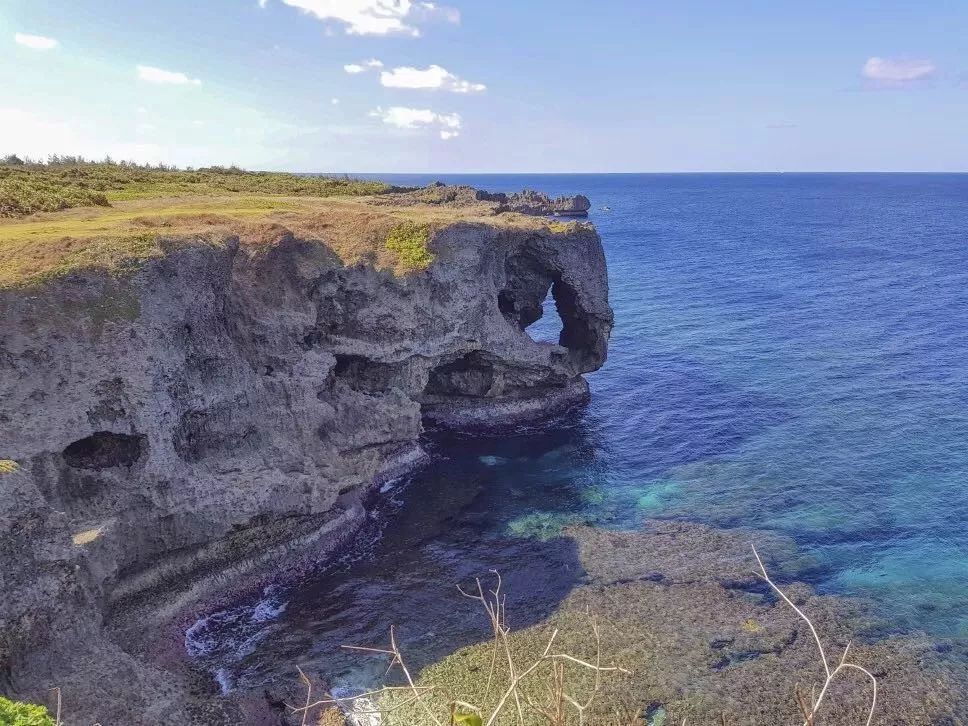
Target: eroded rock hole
{"points": [[548, 327], [547, 309], [526, 302], [528, 283], [103, 450], [578, 332], [470, 375], [363, 374]]}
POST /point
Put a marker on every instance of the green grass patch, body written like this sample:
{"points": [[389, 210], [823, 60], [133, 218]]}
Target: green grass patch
{"points": [[114, 221], [409, 241]]}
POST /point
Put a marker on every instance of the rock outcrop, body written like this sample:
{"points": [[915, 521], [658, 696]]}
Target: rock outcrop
{"points": [[226, 403], [576, 206], [527, 202]]}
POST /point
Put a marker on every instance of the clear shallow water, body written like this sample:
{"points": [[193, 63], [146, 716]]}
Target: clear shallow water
{"points": [[790, 354]]}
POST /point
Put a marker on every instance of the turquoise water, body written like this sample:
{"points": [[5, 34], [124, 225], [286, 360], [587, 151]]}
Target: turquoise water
{"points": [[790, 354]]}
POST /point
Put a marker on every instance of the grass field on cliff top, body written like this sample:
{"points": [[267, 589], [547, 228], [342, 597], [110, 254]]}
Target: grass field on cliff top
{"points": [[71, 214]]}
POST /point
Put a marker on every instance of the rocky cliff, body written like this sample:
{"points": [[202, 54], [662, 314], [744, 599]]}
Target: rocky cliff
{"points": [[226, 403]]}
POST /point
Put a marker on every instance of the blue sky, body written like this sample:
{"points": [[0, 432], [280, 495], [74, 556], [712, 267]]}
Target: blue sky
{"points": [[500, 86]]}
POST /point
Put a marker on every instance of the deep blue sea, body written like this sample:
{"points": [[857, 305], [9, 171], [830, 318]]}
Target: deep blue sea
{"points": [[790, 354]]}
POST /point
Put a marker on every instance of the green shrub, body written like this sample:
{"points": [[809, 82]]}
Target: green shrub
{"points": [[22, 194], [15, 713], [409, 240], [70, 182]]}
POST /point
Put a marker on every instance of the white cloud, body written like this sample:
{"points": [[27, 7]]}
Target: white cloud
{"points": [[334, 101], [898, 70], [375, 17], [373, 63], [157, 75], [403, 117], [432, 78], [263, 3], [36, 42]]}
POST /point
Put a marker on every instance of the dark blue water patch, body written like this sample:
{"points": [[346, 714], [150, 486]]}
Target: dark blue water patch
{"points": [[790, 354]]}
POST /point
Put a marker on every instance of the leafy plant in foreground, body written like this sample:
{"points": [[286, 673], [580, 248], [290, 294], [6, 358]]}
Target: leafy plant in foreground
{"points": [[17, 713]]}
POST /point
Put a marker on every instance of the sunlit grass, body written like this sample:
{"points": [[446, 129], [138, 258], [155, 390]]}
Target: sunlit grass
{"points": [[45, 246]]}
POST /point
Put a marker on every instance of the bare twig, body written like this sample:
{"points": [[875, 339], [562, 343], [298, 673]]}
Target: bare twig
{"points": [[57, 717], [843, 664]]}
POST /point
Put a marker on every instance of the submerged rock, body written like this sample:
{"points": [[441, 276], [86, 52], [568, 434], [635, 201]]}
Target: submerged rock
{"points": [[705, 642]]}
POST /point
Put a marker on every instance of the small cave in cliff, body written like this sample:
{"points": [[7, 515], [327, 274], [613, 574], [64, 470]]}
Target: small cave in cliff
{"points": [[363, 374], [470, 375], [104, 450]]}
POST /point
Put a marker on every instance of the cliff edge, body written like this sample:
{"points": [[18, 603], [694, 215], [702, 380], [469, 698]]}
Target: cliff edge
{"points": [[229, 399]]}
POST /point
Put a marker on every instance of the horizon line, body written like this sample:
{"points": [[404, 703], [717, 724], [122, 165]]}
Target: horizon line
{"points": [[617, 173]]}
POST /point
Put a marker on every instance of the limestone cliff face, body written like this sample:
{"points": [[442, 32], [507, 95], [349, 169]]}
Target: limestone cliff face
{"points": [[224, 402]]}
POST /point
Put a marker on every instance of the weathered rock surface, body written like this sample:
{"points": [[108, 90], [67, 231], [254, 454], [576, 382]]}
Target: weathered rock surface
{"points": [[576, 206], [227, 403]]}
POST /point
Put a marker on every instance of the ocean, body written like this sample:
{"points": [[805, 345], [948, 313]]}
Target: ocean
{"points": [[790, 355]]}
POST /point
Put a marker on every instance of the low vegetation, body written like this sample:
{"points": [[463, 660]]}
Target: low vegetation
{"points": [[409, 241], [67, 182], [69, 214], [22, 194], [16, 713]]}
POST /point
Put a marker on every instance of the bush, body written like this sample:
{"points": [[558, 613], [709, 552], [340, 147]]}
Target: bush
{"points": [[22, 194], [409, 240], [15, 713]]}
